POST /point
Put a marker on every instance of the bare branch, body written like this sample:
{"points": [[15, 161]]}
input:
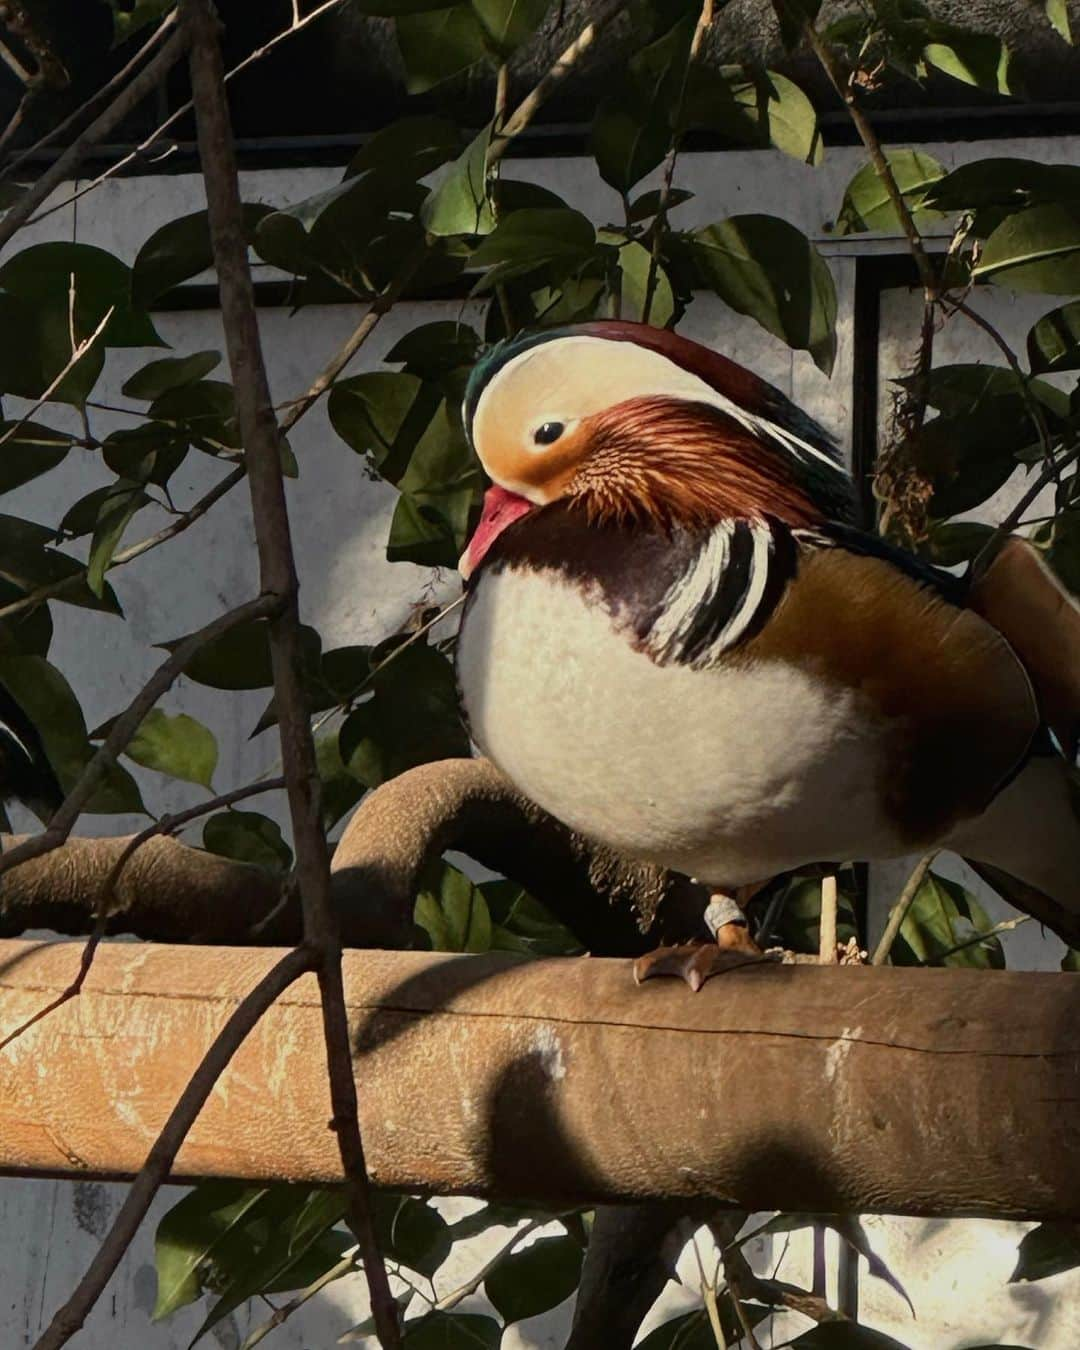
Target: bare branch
{"points": [[898, 913], [261, 438], [117, 82], [70, 1318], [147, 80]]}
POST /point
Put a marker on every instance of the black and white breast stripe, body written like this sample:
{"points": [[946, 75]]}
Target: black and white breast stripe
{"points": [[724, 595]]}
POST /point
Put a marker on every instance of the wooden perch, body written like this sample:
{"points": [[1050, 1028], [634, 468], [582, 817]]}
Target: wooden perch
{"points": [[940, 1092]]}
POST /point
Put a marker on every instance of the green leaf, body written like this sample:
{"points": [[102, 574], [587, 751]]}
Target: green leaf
{"points": [[766, 268], [178, 746], [435, 349], [429, 532], [1070, 962], [50, 703], [648, 204], [179, 251], [29, 452], [956, 542], [844, 1336], [409, 147], [240, 658], [752, 106], [453, 1331], [205, 410], [436, 46], [535, 1279], [1058, 13], [28, 562], [308, 1214], [247, 837], [412, 1232], [866, 204], [411, 718], [45, 273], [382, 414], [459, 203], [453, 912], [1054, 340], [128, 21], [509, 23], [340, 790], [1006, 183], [1047, 1250], [1035, 250], [121, 502], [967, 387], [158, 377], [522, 924], [148, 453], [973, 58], [188, 1236], [634, 263], [942, 916], [36, 351], [968, 457], [632, 129], [526, 240]]}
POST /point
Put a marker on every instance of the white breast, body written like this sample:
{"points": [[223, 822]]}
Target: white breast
{"points": [[730, 774]]}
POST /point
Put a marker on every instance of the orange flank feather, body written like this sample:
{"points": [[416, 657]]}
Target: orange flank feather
{"points": [[666, 462]]}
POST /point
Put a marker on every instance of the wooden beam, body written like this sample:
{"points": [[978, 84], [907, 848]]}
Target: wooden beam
{"points": [[936, 1092]]}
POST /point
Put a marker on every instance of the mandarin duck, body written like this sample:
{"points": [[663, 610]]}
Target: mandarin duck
{"points": [[677, 643]]}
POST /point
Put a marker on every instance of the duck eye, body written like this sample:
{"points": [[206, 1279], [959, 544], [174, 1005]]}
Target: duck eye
{"points": [[548, 432]]}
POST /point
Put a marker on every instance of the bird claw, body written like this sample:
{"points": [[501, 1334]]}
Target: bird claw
{"points": [[695, 962]]}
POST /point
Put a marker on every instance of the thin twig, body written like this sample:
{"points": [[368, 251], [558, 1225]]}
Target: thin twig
{"points": [[346, 1266], [78, 351], [1005, 926], [529, 106], [129, 721], [118, 80], [183, 110], [703, 25], [261, 438], [708, 1296], [877, 157], [899, 911], [145, 82], [70, 1318]]}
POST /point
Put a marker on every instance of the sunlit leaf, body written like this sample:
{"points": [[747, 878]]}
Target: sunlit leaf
{"points": [[459, 203], [1054, 340], [634, 264], [179, 746], [190, 1232], [974, 58], [1057, 12], [453, 913], [1035, 250], [867, 205], [943, 916]]}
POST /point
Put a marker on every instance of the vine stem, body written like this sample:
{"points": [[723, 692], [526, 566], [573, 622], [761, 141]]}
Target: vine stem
{"points": [[899, 911], [261, 437]]}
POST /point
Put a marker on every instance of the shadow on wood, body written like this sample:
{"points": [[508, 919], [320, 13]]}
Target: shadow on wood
{"points": [[936, 1092]]}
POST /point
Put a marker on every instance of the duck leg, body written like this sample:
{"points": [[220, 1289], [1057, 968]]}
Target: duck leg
{"points": [[695, 962]]}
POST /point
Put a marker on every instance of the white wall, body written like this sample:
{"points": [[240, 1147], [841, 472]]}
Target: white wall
{"points": [[955, 1272]]}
